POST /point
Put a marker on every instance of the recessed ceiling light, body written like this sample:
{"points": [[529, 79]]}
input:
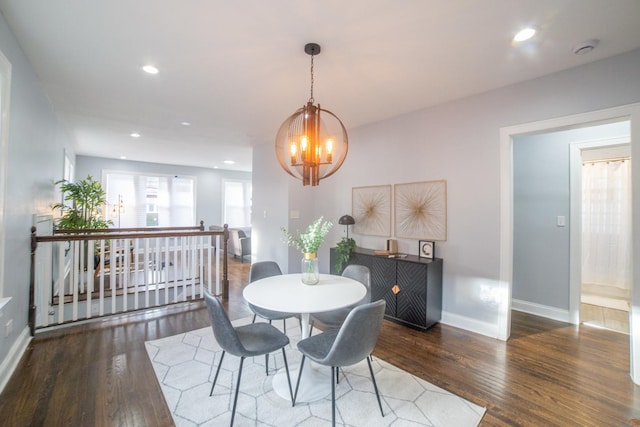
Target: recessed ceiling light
{"points": [[524, 34], [134, 135], [229, 162], [123, 157], [150, 69], [185, 123]]}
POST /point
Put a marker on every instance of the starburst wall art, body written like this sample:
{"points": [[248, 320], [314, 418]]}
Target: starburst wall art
{"points": [[372, 210], [421, 210]]}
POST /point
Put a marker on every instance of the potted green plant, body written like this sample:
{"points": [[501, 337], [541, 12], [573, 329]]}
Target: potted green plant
{"points": [[344, 250], [87, 198], [82, 211]]}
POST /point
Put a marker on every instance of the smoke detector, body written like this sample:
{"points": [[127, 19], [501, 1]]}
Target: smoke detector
{"points": [[585, 47]]}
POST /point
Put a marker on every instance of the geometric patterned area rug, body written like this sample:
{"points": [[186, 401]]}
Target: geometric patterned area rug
{"points": [[184, 365]]}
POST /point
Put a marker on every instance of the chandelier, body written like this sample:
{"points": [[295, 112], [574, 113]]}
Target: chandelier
{"points": [[312, 143]]}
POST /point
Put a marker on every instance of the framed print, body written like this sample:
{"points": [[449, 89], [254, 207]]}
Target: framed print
{"points": [[421, 210], [426, 249], [371, 209]]}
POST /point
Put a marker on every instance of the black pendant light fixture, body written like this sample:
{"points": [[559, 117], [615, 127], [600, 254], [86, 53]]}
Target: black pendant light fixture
{"points": [[312, 143]]}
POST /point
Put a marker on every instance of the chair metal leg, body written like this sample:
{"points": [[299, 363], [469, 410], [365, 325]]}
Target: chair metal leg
{"points": [[235, 398], [217, 372], [286, 367], [266, 361], [375, 386], [254, 318], [295, 395], [333, 397]]}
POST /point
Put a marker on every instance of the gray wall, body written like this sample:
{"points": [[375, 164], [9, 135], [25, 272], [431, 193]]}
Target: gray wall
{"points": [[36, 151], [542, 193], [209, 182], [270, 208], [459, 142]]}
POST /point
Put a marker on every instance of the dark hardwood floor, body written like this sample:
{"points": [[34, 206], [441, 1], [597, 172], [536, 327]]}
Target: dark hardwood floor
{"points": [[548, 374]]}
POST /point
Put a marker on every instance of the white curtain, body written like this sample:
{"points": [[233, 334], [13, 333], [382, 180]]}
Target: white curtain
{"points": [[606, 223]]}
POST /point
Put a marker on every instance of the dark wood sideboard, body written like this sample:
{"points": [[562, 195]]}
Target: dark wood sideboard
{"points": [[411, 286]]}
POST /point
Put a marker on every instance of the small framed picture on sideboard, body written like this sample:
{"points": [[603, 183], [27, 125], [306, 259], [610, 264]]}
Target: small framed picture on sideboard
{"points": [[426, 249]]}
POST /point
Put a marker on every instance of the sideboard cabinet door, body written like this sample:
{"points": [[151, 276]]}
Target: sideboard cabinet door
{"points": [[412, 298], [383, 277]]}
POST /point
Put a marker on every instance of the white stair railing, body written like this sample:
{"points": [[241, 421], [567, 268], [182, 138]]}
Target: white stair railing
{"points": [[82, 275]]}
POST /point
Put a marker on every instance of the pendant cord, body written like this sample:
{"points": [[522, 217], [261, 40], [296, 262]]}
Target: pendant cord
{"points": [[311, 98]]}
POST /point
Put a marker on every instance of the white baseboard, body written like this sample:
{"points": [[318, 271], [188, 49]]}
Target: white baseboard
{"points": [[634, 328], [10, 362], [491, 330], [553, 313], [469, 324]]}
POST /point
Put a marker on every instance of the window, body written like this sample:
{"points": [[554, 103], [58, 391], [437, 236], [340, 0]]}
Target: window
{"points": [[5, 85], [142, 200], [68, 170], [68, 174], [237, 203]]}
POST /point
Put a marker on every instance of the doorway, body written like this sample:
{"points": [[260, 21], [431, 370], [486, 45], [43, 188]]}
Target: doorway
{"points": [[629, 113], [547, 176]]}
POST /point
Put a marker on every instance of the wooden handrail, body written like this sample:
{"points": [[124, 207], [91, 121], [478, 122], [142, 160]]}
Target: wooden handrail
{"points": [[127, 230], [116, 235]]}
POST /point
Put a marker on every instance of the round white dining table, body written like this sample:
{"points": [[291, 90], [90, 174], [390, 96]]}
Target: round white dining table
{"points": [[287, 293]]}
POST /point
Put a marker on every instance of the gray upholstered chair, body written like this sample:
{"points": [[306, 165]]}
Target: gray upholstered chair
{"points": [[260, 270], [239, 244], [250, 340], [335, 318], [353, 342]]}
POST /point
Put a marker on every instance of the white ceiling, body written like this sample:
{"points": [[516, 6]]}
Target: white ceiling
{"points": [[237, 69]]}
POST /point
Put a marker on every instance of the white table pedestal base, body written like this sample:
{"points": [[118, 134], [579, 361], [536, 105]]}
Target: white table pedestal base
{"points": [[314, 384]]}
